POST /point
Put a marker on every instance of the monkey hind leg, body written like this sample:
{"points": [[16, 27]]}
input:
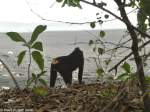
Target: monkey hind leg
{"points": [[67, 78], [53, 76]]}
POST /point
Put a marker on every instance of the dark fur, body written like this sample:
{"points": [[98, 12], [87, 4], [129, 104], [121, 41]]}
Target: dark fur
{"points": [[66, 65]]}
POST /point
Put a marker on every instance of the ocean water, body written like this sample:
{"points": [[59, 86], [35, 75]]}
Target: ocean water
{"points": [[59, 43]]}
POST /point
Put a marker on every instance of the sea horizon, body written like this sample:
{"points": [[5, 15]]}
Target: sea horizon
{"points": [[29, 27]]}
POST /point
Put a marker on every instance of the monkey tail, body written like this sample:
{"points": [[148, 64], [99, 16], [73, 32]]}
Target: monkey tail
{"points": [[53, 75]]}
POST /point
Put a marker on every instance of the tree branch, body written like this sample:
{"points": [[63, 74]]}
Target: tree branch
{"points": [[13, 78], [126, 57], [117, 17]]}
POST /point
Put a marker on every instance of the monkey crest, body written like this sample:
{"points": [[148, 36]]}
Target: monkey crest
{"points": [[55, 61]]}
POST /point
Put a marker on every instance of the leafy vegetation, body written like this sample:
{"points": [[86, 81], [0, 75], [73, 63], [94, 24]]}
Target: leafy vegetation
{"points": [[143, 24], [128, 74], [143, 14], [99, 48], [34, 49]]}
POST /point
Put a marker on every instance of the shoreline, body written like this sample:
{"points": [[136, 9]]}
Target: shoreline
{"points": [[6, 81]]}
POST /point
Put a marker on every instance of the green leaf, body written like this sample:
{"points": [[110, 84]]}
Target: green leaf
{"points": [[106, 16], [42, 73], [99, 71], [126, 67], [107, 61], [33, 76], [38, 58], [21, 57], [59, 1], [102, 33], [123, 77], [79, 6], [64, 3], [38, 46], [102, 4], [43, 82], [39, 29], [40, 91], [92, 24], [143, 14], [144, 5], [133, 75], [100, 22], [94, 49], [72, 3], [143, 28], [141, 17], [91, 42], [100, 50], [77, 2], [15, 37], [29, 82], [147, 79], [133, 4]]}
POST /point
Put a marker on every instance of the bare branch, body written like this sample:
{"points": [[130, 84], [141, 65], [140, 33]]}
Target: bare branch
{"points": [[117, 17], [126, 57], [94, 2], [67, 22], [13, 78], [117, 98]]}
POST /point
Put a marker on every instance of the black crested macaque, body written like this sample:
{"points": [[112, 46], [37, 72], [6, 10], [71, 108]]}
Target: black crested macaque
{"points": [[65, 65]]}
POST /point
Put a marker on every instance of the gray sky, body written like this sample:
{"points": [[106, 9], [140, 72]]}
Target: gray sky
{"points": [[20, 11]]}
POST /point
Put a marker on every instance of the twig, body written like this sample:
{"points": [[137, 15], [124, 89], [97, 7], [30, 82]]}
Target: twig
{"points": [[13, 78], [68, 22], [80, 23], [117, 17], [29, 65], [126, 57], [144, 34], [119, 96]]}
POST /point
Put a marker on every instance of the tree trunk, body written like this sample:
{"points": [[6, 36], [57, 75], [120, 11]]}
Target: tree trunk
{"points": [[135, 50]]}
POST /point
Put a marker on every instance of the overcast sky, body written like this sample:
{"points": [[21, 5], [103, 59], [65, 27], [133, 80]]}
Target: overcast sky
{"points": [[20, 11]]}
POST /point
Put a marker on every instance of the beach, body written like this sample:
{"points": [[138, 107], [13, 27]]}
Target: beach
{"points": [[57, 43]]}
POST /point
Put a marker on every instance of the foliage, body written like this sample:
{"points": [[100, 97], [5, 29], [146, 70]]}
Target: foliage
{"points": [[92, 24], [99, 49], [143, 14], [37, 78], [40, 91], [128, 74], [73, 3], [102, 33], [143, 20], [99, 72], [147, 78], [20, 57], [34, 49], [38, 58]]}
